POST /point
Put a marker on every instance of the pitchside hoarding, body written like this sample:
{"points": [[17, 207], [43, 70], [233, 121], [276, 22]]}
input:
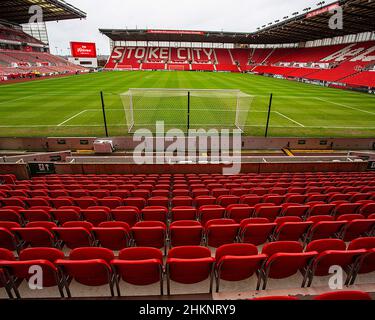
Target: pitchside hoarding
{"points": [[84, 54]]}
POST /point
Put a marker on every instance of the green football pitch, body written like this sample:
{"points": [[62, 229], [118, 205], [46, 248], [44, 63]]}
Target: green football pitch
{"points": [[71, 106]]}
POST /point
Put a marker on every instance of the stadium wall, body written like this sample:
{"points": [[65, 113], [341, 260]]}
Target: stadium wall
{"points": [[127, 143], [23, 172]]}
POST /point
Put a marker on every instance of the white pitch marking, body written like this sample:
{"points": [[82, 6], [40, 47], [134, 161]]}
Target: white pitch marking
{"points": [[71, 118], [17, 99], [345, 106], [284, 116]]}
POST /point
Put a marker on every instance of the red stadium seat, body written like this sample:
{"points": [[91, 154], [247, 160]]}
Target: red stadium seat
{"points": [[183, 213], [150, 234], [221, 231], [239, 212], [35, 235], [185, 233], [75, 234], [31, 215], [291, 229], [366, 263], [138, 202], [210, 212], [189, 265], [130, 215], [236, 262], [256, 231], [139, 266], [268, 212], [88, 266], [65, 215], [285, 259], [155, 213], [112, 235], [95, 216], [324, 230]]}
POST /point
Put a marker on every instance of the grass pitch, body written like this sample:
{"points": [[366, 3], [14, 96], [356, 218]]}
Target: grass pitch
{"points": [[71, 106]]}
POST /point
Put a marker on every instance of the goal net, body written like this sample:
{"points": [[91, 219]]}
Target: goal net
{"points": [[186, 108]]}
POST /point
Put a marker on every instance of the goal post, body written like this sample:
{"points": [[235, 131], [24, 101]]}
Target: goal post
{"points": [[186, 108]]}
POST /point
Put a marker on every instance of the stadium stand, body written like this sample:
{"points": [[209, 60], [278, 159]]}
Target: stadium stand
{"points": [[32, 220], [348, 64], [28, 61]]}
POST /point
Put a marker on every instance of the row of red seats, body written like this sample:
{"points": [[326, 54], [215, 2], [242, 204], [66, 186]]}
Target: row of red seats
{"points": [[142, 198], [183, 210], [189, 264], [116, 235], [205, 188]]}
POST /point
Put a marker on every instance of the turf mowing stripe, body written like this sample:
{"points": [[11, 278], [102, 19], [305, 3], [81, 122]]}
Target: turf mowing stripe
{"points": [[284, 116], [71, 118], [345, 106], [22, 98]]}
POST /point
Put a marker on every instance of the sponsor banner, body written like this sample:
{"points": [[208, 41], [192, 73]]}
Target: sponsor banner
{"points": [[322, 10], [176, 32], [83, 49]]}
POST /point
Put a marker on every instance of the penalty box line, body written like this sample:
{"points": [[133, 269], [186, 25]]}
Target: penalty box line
{"points": [[71, 118]]}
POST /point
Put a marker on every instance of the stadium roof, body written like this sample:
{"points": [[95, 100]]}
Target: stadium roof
{"points": [[311, 25], [17, 11]]}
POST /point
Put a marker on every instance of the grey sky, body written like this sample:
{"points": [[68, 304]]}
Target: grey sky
{"points": [[234, 15]]}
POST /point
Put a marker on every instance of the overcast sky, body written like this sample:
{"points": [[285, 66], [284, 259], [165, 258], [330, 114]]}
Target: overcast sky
{"points": [[215, 15]]}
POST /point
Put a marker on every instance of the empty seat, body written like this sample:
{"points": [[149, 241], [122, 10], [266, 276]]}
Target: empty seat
{"points": [[130, 215], [179, 201], [324, 230], [75, 234], [155, 213], [236, 262], [366, 263], [321, 209], [183, 213], [11, 215], [328, 258], [150, 234], [138, 202], [256, 230], [290, 229], [139, 266], [185, 233], [268, 212], [293, 210], [18, 271], [65, 215], [88, 266], [36, 235], [31, 215], [7, 238], [227, 200], [357, 228], [221, 231], [96, 216], [239, 212], [285, 258], [346, 208], [188, 265], [204, 201], [210, 212], [112, 235]]}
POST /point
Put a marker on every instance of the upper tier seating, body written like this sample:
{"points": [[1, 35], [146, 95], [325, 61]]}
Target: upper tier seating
{"points": [[345, 63]]}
